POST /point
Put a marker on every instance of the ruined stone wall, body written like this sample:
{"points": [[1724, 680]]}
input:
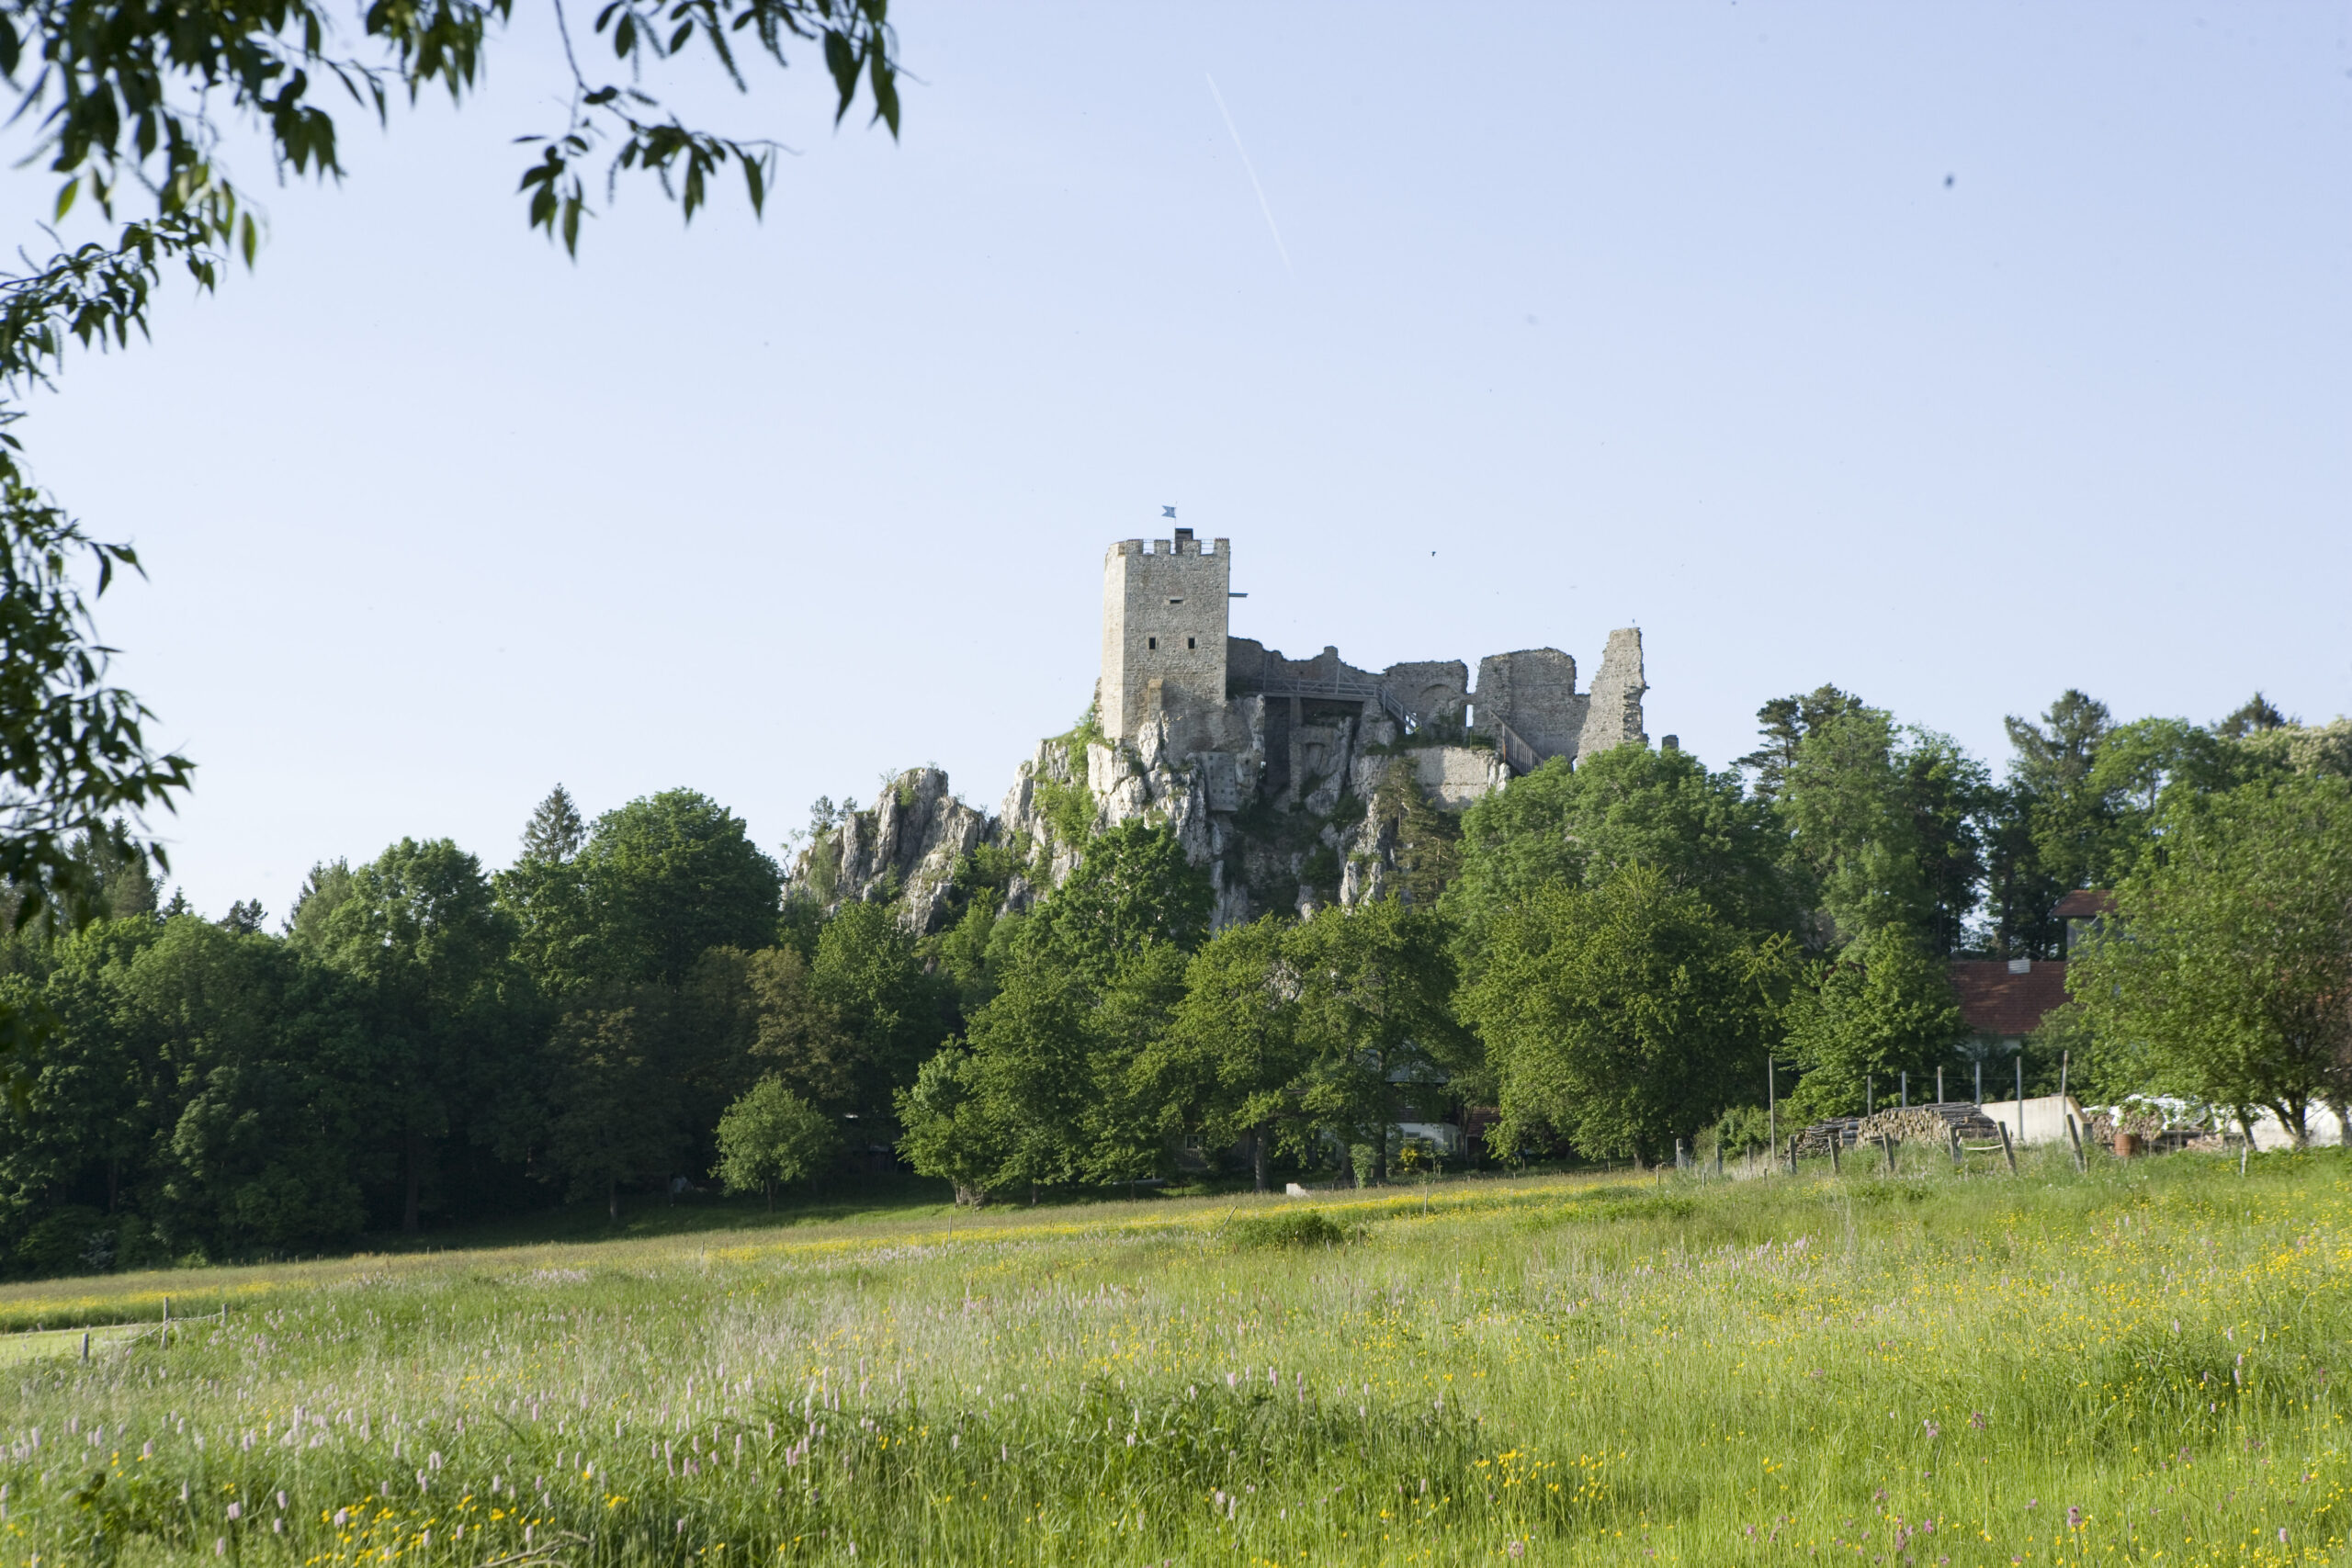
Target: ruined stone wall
{"points": [[1433, 692], [1534, 692], [1164, 617], [1615, 714]]}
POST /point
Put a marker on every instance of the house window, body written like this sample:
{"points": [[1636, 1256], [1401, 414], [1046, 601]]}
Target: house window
{"points": [[1187, 642], [1175, 600], [1151, 642]]}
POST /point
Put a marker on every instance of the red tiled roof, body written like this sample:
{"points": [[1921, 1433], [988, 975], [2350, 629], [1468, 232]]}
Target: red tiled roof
{"points": [[2083, 904], [1995, 1001]]}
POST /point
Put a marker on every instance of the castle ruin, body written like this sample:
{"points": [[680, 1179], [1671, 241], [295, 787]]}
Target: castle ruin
{"points": [[1270, 770]]}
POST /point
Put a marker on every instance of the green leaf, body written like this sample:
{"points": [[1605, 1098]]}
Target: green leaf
{"points": [[624, 36], [248, 239], [842, 60], [885, 82], [65, 196]]}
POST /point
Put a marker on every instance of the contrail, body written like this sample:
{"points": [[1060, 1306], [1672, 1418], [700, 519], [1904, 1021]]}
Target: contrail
{"points": [[1247, 168]]}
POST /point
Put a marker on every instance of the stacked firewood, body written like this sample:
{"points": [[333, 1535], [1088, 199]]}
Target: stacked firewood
{"points": [[1932, 1125], [1929, 1124]]}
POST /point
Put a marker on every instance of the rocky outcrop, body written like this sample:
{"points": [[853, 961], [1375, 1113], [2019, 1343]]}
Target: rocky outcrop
{"points": [[905, 847]]}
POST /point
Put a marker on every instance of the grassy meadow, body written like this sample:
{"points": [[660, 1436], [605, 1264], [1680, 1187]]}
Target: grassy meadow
{"points": [[2137, 1365]]}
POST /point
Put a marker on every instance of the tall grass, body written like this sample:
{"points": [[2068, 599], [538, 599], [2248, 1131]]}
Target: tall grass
{"points": [[2136, 1365]]}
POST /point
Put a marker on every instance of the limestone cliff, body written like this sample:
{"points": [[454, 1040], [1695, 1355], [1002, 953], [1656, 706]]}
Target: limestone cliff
{"points": [[906, 848]]}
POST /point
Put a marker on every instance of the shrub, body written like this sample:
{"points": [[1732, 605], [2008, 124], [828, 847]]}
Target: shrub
{"points": [[1300, 1228]]}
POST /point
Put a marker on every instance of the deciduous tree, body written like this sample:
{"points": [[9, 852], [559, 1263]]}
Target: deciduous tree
{"points": [[2227, 964], [1621, 1016]]}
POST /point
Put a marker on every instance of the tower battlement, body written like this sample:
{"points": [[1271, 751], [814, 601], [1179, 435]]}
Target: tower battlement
{"points": [[1184, 544]]}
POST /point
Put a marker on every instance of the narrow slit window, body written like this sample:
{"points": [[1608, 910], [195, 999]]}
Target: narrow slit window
{"points": [[1151, 642], [1188, 643]]}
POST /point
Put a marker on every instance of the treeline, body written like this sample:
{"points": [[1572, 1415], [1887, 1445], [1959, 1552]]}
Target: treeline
{"points": [[1606, 956]]}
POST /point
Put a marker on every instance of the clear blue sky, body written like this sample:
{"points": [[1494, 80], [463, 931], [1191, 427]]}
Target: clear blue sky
{"points": [[1955, 353]]}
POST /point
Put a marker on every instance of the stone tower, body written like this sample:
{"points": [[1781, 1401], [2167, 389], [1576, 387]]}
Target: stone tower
{"points": [[1164, 617]]}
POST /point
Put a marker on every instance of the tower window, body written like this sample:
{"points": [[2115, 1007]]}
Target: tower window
{"points": [[1151, 642], [1187, 642]]}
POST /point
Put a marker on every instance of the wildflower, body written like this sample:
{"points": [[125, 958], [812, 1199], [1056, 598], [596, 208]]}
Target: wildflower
{"points": [[236, 1512], [220, 1547], [281, 1502], [2282, 1535], [1518, 1548], [2074, 1517], [1978, 1419], [1934, 1431]]}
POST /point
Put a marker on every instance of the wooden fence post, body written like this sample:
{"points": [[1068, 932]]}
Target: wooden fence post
{"points": [[2009, 1149]]}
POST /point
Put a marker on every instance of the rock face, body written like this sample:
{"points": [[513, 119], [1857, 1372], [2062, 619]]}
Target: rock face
{"points": [[905, 848]]}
